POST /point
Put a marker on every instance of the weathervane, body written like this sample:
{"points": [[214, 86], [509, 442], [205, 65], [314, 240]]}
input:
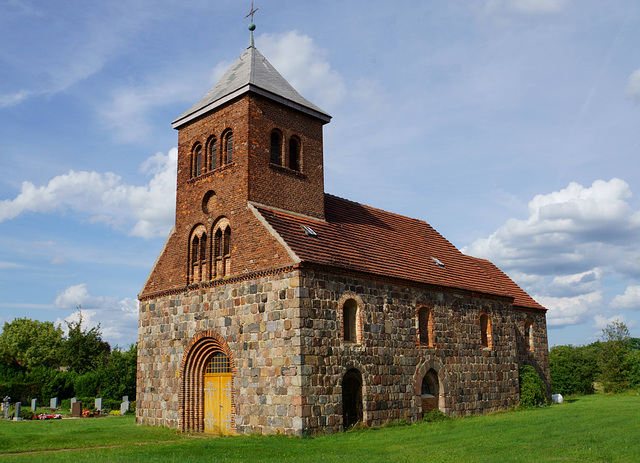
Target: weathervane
{"points": [[252, 26]]}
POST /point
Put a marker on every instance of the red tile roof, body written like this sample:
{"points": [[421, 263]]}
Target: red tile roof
{"points": [[363, 238]]}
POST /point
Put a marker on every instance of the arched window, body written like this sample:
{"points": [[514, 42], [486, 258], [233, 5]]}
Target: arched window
{"points": [[485, 331], [425, 327], [196, 166], [528, 334], [198, 255], [222, 250], [212, 155], [276, 147], [294, 154], [227, 155], [350, 320]]}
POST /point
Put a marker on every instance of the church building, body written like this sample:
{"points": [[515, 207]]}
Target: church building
{"points": [[277, 307]]}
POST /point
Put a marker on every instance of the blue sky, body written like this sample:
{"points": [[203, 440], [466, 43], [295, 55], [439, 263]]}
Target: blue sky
{"points": [[511, 126]]}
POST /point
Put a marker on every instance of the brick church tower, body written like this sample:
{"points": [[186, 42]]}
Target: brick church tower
{"points": [[275, 307]]}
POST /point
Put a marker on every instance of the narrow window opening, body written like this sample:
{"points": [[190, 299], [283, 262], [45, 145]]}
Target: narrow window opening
{"points": [[197, 161], [528, 334], [350, 314], [294, 154], [485, 331], [276, 148], [212, 157], [425, 327], [228, 148]]}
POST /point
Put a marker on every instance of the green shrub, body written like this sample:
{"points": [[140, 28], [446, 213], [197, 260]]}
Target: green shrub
{"points": [[86, 385], [27, 414], [531, 387], [573, 369], [434, 415]]}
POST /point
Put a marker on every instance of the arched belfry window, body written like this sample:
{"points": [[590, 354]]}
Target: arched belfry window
{"points": [[425, 327], [227, 151], [276, 147], [528, 334], [196, 161], [485, 331], [212, 154], [294, 153], [222, 249], [198, 255]]}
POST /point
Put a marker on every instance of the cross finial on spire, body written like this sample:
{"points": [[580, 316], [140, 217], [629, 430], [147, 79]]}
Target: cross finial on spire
{"points": [[251, 13], [252, 27]]}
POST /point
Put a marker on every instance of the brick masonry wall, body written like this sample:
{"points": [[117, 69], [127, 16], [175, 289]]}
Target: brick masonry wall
{"points": [[285, 333], [249, 177]]}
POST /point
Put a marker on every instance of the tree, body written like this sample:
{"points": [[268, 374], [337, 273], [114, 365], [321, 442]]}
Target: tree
{"points": [[616, 331], [573, 369], [83, 349], [614, 359], [31, 343], [118, 376]]}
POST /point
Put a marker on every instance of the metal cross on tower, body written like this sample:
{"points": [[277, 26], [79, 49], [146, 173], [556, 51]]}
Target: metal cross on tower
{"points": [[252, 27], [251, 13]]}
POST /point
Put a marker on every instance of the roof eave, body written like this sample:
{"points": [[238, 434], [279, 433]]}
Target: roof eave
{"points": [[249, 88]]}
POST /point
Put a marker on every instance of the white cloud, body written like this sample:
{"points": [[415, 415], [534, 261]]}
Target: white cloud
{"points": [[570, 310], [526, 7], [568, 231], [105, 198], [304, 65], [573, 241], [629, 300], [633, 87], [118, 318], [601, 322], [125, 115]]}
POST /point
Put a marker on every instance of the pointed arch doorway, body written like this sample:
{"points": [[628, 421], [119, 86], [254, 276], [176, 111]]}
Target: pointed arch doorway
{"points": [[207, 396]]}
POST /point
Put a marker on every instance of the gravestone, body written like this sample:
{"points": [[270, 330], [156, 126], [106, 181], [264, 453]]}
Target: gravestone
{"points": [[34, 405], [53, 403], [124, 406], [73, 400], [17, 407], [6, 402], [98, 403], [76, 409], [557, 398]]}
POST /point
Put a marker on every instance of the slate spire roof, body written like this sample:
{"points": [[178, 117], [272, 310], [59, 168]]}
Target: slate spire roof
{"points": [[251, 73], [365, 239]]}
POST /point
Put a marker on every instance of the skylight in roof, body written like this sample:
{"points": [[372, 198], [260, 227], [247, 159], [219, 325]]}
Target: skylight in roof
{"points": [[438, 262], [309, 231]]}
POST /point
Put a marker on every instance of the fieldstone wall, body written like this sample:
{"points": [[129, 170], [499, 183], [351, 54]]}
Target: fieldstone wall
{"points": [[259, 320], [472, 379], [285, 333]]}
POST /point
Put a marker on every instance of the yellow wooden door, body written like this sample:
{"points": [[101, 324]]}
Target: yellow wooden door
{"points": [[217, 403]]}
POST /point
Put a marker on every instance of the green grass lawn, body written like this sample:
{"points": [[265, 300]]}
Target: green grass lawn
{"points": [[589, 428]]}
